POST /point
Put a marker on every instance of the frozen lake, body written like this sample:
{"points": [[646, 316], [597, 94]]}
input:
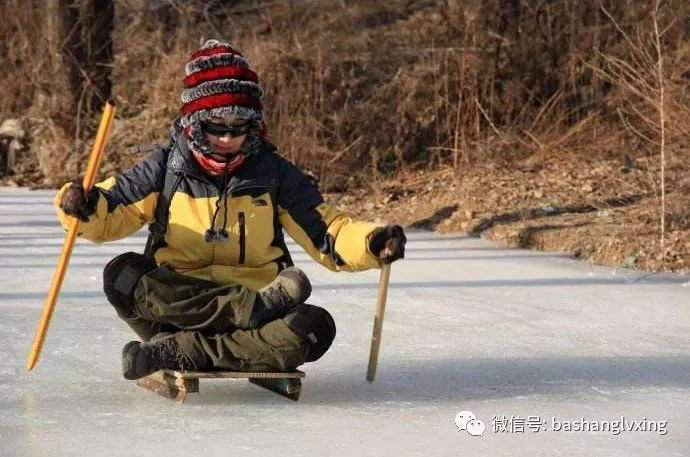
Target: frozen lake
{"points": [[527, 341]]}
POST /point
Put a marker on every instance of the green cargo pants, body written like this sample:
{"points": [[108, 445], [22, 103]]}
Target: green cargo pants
{"points": [[211, 323]]}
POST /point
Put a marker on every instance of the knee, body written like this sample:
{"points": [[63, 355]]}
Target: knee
{"points": [[120, 277], [315, 326]]}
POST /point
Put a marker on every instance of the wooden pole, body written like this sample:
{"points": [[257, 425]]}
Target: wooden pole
{"points": [[89, 178], [378, 321]]}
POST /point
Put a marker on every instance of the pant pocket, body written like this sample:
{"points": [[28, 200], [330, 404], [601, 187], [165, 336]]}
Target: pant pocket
{"points": [[121, 276]]}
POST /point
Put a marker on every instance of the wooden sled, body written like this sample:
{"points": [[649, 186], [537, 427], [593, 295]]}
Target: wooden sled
{"points": [[175, 385]]}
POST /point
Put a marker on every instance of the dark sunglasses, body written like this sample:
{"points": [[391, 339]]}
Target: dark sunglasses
{"points": [[222, 129]]}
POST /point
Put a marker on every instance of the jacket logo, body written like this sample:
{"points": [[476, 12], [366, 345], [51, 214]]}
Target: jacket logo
{"points": [[259, 202]]}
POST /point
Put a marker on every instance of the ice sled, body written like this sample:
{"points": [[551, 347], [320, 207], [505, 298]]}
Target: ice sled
{"points": [[175, 385]]}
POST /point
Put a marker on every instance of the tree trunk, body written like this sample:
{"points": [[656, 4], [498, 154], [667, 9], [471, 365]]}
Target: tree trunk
{"points": [[79, 34], [76, 83]]}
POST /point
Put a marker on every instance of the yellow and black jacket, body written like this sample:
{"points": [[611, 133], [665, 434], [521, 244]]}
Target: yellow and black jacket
{"points": [[266, 194]]}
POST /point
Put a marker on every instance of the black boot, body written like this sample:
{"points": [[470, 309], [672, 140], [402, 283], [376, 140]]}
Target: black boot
{"points": [[142, 359], [290, 288], [315, 326]]}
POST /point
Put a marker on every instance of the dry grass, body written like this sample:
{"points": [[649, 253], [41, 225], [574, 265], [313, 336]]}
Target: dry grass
{"points": [[411, 83], [360, 91]]}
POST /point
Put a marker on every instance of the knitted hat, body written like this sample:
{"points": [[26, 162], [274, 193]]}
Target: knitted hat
{"points": [[219, 83]]}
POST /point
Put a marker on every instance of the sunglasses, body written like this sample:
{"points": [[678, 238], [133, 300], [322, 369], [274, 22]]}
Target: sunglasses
{"points": [[233, 130]]}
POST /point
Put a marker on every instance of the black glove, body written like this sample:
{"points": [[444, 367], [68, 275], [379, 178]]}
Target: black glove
{"points": [[74, 203], [388, 243]]}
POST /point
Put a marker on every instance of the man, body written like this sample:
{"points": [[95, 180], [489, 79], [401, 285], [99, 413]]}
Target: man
{"points": [[220, 291]]}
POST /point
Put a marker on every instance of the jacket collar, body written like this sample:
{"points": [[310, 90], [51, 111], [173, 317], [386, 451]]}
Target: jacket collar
{"points": [[182, 162]]}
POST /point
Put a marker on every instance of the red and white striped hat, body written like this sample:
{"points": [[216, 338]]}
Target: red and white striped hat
{"points": [[219, 83]]}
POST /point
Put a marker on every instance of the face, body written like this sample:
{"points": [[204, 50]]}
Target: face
{"points": [[223, 143]]}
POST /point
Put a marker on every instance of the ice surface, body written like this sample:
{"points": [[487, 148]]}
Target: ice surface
{"points": [[469, 326]]}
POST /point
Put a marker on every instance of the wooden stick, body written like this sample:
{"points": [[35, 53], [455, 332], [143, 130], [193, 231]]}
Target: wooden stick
{"points": [[89, 178], [378, 321]]}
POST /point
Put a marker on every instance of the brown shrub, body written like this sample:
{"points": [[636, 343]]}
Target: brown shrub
{"points": [[359, 89]]}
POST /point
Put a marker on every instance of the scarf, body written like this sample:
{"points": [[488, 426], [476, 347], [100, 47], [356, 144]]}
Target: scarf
{"points": [[213, 167]]}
